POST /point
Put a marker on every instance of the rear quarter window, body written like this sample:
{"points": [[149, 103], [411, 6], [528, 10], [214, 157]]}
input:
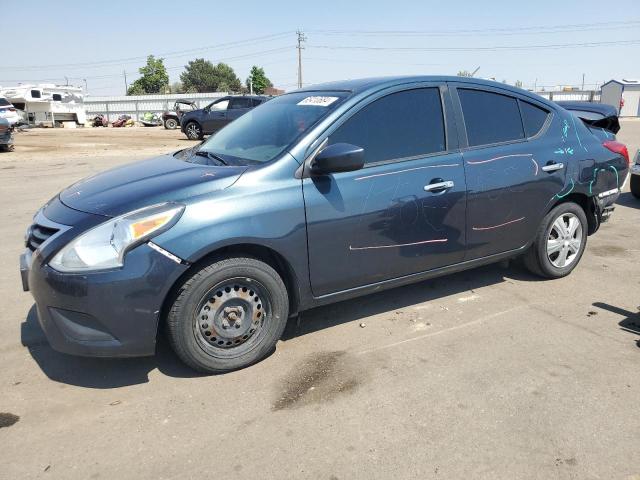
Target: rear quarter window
{"points": [[533, 118], [490, 117]]}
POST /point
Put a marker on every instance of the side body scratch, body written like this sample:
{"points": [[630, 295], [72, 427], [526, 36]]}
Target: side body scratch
{"points": [[438, 240], [498, 226]]}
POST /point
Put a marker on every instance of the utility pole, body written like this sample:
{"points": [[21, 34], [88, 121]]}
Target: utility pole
{"points": [[251, 85], [301, 38], [126, 87], [582, 82], [86, 88]]}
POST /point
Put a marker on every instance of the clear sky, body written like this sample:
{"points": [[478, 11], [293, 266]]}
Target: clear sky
{"points": [[97, 40]]}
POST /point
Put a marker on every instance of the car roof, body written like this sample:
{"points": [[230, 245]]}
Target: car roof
{"points": [[360, 85]]}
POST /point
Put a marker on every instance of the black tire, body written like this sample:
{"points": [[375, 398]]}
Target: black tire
{"points": [[7, 148], [538, 261], [197, 325], [635, 185], [193, 131], [171, 124]]}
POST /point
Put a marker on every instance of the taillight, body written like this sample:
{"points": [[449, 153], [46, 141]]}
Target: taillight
{"points": [[619, 148]]}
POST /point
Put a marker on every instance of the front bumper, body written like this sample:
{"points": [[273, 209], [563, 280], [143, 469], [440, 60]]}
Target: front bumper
{"points": [[6, 138], [110, 313]]}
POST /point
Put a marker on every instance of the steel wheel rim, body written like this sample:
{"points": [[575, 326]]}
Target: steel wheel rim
{"points": [[564, 240], [230, 315]]}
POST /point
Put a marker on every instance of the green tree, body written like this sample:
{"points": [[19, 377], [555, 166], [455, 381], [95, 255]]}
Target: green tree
{"points": [[154, 78], [259, 80], [176, 87], [201, 75]]}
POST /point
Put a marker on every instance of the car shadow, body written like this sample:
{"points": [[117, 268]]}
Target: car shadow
{"points": [[100, 373], [398, 298], [626, 199], [106, 373], [631, 322]]}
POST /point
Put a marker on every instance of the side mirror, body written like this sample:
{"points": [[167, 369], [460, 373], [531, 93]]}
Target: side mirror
{"points": [[339, 157]]}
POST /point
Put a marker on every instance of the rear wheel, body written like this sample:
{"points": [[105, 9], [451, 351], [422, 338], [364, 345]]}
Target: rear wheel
{"points": [[228, 315], [193, 131], [635, 185], [559, 243], [171, 124]]}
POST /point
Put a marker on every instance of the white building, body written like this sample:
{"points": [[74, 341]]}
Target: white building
{"points": [[624, 95]]}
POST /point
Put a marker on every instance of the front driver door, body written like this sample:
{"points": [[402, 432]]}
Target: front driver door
{"points": [[404, 212], [215, 116]]}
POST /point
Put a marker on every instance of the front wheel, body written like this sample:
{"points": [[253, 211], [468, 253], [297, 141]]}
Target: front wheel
{"points": [[559, 243], [193, 131], [171, 124], [228, 315], [635, 185]]}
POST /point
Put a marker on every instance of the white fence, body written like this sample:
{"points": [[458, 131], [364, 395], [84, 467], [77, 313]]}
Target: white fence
{"points": [[137, 105], [572, 96]]}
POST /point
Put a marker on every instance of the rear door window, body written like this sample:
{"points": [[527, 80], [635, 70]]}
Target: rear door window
{"points": [[237, 103], [533, 118], [400, 125], [490, 117]]}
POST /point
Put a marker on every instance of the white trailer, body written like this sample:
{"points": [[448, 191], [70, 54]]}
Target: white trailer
{"points": [[48, 104]]}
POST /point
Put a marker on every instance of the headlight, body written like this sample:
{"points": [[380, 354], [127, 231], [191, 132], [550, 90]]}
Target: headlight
{"points": [[104, 246]]}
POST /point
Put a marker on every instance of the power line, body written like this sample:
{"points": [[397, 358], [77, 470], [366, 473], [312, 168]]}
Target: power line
{"points": [[240, 43], [488, 31], [171, 68], [476, 49]]}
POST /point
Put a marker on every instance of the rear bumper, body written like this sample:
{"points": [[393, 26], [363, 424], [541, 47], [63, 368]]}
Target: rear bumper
{"points": [[111, 313]]}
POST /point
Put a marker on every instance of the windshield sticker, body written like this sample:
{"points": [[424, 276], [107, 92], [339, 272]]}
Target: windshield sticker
{"points": [[318, 101]]}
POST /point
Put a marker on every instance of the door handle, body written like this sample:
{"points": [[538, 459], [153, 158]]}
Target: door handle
{"points": [[552, 167], [438, 186]]}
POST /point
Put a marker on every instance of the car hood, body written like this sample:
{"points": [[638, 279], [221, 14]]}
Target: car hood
{"points": [[139, 184]]}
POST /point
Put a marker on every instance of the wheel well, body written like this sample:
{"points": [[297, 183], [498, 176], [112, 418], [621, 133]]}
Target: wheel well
{"points": [[587, 204], [259, 252]]}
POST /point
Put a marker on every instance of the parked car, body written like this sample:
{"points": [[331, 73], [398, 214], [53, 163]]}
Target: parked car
{"points": [[319, 195], [205, 121], [6, 135], [9, 112], [171, 119], [635, 176]]}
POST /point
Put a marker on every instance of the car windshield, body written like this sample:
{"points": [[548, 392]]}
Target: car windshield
{"points": [[263, 133]]}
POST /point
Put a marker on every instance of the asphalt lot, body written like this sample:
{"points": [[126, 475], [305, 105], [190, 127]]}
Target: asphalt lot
{"points": [[489, 373]]}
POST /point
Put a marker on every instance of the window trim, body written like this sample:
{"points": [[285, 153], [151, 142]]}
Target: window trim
{"points": [[320, 141]]}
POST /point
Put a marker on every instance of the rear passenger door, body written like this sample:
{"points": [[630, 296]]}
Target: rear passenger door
{"points": [[505, 147], [404, 212]]}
